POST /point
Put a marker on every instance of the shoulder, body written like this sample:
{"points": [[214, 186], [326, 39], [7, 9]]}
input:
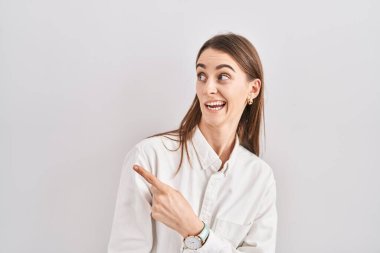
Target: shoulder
{"points": [[255, 165], [150, 151], [152, 147], [157, 143]]}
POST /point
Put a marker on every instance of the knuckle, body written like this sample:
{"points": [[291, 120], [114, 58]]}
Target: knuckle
{"points": [[159, 199], [149, 179], [157, 206]]}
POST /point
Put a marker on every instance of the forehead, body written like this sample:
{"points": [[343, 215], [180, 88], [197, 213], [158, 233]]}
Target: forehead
{"points": [[212, 57]]}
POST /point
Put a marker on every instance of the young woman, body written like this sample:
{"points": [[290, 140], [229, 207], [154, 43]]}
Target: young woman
{"points": [[203, 187]]}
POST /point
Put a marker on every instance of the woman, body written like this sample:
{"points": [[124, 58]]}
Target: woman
{"points": [[220, 196]]}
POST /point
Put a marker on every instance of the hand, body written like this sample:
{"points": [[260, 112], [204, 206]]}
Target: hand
{"points": [[170, 207]]}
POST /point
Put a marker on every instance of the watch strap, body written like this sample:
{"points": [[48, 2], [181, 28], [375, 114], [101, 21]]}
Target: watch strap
{"points": [[204, 233]]}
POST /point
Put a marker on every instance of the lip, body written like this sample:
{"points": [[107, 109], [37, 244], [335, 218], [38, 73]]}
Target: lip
{"points": [[214, 110]]}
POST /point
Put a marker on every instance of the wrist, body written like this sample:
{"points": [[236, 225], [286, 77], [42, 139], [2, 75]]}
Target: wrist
{"points": [[195, 242], [195, 228]]}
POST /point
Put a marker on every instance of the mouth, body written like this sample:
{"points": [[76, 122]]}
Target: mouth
{"points": [[215, 106]]}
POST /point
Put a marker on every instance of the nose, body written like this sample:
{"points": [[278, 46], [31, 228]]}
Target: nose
{"points": [[210, 87]]}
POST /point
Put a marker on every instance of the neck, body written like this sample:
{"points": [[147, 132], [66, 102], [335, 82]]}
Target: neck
{"points": [[221, 139]]}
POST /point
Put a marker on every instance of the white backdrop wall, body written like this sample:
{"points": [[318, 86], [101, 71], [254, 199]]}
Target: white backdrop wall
{"points": [[82, 81]]}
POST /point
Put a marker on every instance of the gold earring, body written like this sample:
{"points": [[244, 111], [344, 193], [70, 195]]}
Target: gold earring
{"points": [[250, 99]]}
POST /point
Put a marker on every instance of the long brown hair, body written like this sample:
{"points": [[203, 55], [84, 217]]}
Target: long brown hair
{"points": [[248, 130]]}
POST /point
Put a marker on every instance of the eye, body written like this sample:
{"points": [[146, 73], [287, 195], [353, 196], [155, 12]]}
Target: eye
{"points": [[224, 77], [200, 76]]}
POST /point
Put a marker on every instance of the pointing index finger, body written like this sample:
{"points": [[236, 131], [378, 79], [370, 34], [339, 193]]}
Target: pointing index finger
{"points": [[149, 177]]}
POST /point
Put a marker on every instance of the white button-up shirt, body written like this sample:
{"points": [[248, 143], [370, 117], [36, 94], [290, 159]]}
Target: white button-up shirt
{"points": [[238, 201]]}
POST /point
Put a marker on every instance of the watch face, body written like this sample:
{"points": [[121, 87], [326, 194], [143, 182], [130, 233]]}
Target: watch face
{"points": [[193, 242]]}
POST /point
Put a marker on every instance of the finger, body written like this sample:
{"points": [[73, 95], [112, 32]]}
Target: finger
{"points": [[149, 177], [144, 173], [153, 190]]}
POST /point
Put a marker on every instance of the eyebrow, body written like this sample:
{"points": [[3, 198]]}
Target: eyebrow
{"points": [[217, 67]]}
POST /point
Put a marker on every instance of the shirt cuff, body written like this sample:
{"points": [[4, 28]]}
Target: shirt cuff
{"points": [[212, 244]]}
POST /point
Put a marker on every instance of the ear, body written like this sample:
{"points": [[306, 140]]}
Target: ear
{"points": [[254, 87]]}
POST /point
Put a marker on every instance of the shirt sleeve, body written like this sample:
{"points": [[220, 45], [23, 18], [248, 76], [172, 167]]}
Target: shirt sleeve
{"points": [[132, 223], [261, 238]]}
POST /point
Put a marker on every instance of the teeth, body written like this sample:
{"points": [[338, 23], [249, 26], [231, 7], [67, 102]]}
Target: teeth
{"points": [[216, 103]]}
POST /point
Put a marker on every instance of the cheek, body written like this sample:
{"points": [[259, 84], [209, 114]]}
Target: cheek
{"points": [[233, 95], [237, 100], [199, 91], [197, 88]]}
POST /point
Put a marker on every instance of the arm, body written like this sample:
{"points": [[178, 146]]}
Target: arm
{"points": [[132, 223], [170, 208]]}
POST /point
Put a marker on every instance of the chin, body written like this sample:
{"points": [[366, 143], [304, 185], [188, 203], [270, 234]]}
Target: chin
{"points": [[212, 122]]}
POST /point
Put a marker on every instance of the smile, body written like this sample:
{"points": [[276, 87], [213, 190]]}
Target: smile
{"points": [[215, 106]]}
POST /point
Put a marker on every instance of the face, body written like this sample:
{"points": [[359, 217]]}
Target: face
{"points": [[222, 88]]}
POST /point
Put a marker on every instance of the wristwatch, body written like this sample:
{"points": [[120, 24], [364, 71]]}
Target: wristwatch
{"points": [[196, 241]]}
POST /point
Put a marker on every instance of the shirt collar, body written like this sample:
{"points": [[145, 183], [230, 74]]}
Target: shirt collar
{"points": [[209, 159]]}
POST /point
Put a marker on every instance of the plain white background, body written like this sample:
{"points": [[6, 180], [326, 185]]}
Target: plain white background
{"points": [[82, 81]]}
